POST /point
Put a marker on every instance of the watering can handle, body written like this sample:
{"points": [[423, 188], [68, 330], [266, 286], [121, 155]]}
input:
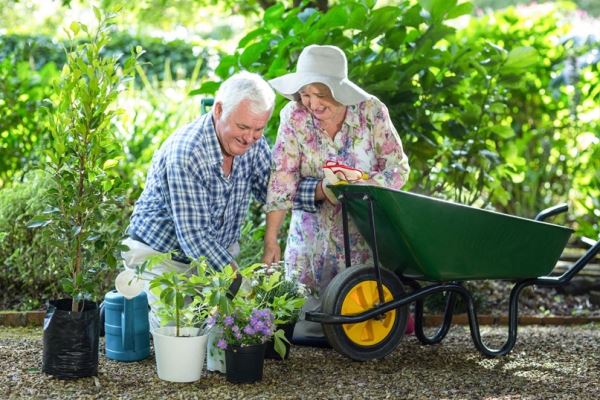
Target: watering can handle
{"points": [[127, 317]]}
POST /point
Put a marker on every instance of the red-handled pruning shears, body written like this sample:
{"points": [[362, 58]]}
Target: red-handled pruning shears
{"points": [[341, 172]]}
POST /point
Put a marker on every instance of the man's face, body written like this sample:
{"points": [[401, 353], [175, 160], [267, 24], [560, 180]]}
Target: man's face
{"points": [[241, 129]]}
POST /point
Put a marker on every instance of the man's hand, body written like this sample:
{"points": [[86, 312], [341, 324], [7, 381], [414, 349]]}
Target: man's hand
{"points": [[271, 253]]}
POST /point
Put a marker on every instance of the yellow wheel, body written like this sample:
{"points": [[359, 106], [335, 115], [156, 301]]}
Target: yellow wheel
{"points": [[354, 291], [361, 298]]}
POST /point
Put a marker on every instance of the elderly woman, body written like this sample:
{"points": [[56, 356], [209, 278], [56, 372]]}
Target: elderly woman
{"points": [[330, 119]]}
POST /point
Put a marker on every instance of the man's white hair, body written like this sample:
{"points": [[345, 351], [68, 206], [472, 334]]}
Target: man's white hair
{"points": [[245, 86]]}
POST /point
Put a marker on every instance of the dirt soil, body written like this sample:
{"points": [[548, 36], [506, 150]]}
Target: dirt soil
{"points": [[546, 363]]}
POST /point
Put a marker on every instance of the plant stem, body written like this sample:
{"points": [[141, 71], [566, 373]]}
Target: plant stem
{"points": [[176, 312]]}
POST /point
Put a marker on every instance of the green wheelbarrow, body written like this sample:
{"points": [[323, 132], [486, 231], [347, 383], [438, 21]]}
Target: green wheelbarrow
{"points": [[419, 239]]}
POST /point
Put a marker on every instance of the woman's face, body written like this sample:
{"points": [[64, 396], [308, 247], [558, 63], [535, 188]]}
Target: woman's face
{"points": [[319, 101]]}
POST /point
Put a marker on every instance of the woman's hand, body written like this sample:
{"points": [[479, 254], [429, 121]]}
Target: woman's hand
{"points": [[271, 253]]}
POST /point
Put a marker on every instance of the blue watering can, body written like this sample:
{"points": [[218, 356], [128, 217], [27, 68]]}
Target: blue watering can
{"points": [[126, 327]]}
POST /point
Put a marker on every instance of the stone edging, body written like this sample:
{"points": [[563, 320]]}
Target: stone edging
{"points": [[36, 318]]}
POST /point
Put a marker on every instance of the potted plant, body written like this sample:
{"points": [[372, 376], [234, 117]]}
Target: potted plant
{"points": [[182, 308], [83, 208], [245, 332], [284, 296]]}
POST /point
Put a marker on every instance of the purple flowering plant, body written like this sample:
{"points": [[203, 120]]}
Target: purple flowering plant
{"points": [[250, 316], [245, 326]]}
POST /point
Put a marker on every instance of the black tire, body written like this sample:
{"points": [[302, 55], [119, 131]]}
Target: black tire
{"points": [[333, 300]]}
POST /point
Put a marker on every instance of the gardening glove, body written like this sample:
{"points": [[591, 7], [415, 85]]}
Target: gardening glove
{"points": [[337, 174]]}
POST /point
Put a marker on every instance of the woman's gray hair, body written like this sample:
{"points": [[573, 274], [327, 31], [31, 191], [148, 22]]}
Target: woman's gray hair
{"points": [[245, 86]]}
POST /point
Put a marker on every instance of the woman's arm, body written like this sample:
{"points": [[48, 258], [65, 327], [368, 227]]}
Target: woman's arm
{"points": [[272, 250]]}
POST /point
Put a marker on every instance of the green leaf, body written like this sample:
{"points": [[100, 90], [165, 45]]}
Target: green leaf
{"points": [[357, 18], [503, 131], [108, 164], [279, 341], [252, 53], [226, 66], [336, 16], [273, 14], [208, 87], [382, 20], [39, 221], [251, 36], [97, 13], [74, 28], [67, 285], [498, 108], [520, 58], [460, 9], [437, 8]]}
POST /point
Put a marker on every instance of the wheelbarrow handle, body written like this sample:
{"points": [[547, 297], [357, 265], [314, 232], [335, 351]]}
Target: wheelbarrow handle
{"points": [[588, 241], [551, 211]]}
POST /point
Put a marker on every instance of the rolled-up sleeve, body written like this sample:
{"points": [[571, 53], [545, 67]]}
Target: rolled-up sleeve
{"points": [[305, 195]]}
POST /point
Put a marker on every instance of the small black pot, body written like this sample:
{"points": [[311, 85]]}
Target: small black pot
{"points": [[270, 353], [245, 364], [71, 340]]}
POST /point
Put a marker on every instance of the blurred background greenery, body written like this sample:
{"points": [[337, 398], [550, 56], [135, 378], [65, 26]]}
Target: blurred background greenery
{"points": [[497, 102]]}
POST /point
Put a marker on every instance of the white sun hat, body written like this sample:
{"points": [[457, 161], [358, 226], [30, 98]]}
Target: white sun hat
{"points": [[321, 64]]}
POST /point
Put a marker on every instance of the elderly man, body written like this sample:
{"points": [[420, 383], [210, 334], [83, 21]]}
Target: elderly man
{"points": [[198, 187]]}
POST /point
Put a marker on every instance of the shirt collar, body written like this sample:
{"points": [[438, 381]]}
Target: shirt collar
{"points": [[352, 118], [211, 142]]}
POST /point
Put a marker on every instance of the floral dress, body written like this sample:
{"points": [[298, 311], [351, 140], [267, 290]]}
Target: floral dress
{"points": [[367, 141]]}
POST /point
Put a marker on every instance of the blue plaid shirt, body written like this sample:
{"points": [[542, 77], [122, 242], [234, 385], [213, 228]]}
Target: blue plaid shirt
{"points": [[189, 205]]}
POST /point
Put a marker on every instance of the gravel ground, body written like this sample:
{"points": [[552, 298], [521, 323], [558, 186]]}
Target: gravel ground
{"points": [[546, 363]]}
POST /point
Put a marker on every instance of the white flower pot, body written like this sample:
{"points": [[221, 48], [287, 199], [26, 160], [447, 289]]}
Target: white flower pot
{"points": [[215, 357], [179, 359]]}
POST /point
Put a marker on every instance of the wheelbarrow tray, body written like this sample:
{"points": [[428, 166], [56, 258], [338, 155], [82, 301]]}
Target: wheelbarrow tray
{"points": [[425, 238]]}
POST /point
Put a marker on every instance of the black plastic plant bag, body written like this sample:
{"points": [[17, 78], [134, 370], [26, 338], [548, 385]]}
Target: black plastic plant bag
{"points": [[71, 340]]}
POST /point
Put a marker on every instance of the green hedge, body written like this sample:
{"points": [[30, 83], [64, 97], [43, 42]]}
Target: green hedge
{"points": [[161, 59]]}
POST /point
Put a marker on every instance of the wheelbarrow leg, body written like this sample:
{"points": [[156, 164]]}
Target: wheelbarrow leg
{"points": [[443, 329], [513, 317], [453, 290], [419, 325]]}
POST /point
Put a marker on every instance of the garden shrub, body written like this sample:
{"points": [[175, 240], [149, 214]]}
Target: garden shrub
{"points": [[29, 265], [551, 157], [23, 121]]}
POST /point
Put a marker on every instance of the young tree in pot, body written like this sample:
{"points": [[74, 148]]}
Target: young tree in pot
{"points": [[83, 211], [182, 308]]}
